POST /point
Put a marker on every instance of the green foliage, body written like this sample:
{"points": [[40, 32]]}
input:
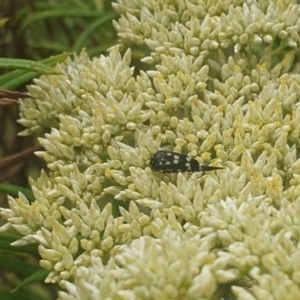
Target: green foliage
{"points": [[21, 271], [45, 28], [27, 70]]}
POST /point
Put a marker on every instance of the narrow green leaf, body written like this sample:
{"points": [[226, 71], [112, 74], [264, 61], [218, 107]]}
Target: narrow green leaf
{"points": [[38, 276], [60, 13], [17, 78], [97, 24], [7, 238], [13, 190], [18, 264], [24, 64]]}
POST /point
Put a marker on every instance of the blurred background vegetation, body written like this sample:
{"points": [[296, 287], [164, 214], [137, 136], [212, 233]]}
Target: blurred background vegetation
{"points": [[36, 30]]}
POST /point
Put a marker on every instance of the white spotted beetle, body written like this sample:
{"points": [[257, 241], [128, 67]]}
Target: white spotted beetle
{"points": [[172, 162]]}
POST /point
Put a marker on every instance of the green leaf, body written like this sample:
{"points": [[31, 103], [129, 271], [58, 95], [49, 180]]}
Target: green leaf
{"points": [[93, 27], [24, 64], [17, 78], [7, 238], [13, 190], [38, 276], [60, 13], [17, 263]]}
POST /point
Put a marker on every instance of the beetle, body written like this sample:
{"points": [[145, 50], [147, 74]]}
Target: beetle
{"points": [[172, 162]]}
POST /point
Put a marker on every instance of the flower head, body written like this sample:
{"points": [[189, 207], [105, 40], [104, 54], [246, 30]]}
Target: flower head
{"points": [[218, 94]]}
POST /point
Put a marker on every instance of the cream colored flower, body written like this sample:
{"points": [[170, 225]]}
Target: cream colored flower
{"points": [[225, 90]]}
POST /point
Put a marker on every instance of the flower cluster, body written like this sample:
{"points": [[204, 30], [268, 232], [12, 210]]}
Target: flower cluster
{"points": [[225, 90]]}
